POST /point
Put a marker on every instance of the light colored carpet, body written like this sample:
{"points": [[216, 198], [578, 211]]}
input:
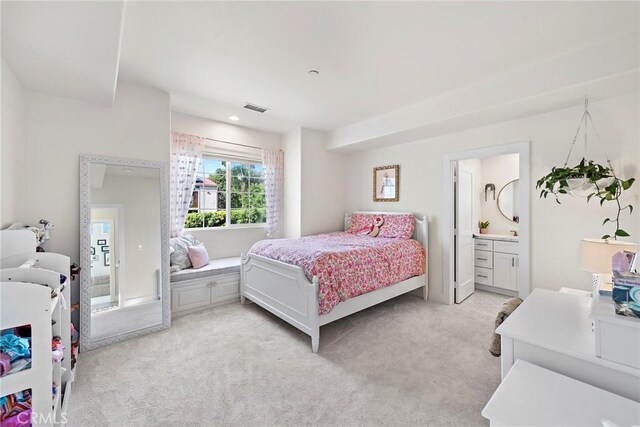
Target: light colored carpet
{"points": [[403, 362]]}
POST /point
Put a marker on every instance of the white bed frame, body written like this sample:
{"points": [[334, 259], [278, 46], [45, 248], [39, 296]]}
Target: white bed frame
{"points": [[285, 291]]}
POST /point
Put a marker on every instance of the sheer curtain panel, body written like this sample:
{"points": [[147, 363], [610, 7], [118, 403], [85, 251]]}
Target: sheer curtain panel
{"points": [[186, 155], [273, 167]]}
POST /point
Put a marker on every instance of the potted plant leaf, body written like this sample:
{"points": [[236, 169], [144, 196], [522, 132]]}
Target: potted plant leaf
{"points": [[599, 181], [483, 226]]}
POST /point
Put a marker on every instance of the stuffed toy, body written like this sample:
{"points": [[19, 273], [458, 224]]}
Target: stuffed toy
{"points": [[372, 229], [42, 230], [47, 227], [377, 223]]}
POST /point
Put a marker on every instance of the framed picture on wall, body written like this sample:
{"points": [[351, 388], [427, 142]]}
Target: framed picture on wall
{"points": [[105, 248], [107, 259], [102, 242], [93, 250], [94, 258], [386, 183]]}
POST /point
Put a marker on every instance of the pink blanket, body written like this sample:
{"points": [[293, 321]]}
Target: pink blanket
{"points": [[347, 265]]}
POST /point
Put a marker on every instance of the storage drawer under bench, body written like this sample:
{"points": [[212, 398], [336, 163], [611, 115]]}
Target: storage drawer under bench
{"points": [[213, 285], [189, 295]]}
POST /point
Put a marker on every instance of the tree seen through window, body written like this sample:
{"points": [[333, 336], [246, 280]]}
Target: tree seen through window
{"points": [[245, 202]]}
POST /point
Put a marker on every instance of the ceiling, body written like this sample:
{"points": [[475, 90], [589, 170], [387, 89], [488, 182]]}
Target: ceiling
{"points": [[373, 57], [68, 49], [99, 171], [132, 171]]}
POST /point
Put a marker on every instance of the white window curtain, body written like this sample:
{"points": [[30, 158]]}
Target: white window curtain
{"points": [[273, 167], [186, 156]]}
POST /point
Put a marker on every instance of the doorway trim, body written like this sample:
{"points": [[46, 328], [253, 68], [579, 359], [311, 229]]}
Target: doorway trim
{"points": [[119, 229], [522, 148]]}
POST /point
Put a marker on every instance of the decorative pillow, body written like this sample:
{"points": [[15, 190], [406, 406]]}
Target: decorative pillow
{"points": [[360, 222], [180, 253], [198, 256], [398, 226]]}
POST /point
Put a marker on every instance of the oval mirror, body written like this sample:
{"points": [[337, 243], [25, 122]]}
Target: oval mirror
{"points": [[508, 203]]}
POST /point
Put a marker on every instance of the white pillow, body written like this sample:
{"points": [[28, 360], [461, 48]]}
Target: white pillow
{"points": [[180, 252]]}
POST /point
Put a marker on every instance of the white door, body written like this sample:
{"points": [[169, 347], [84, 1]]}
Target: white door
{"points": [[505, 271], [464, 277]]}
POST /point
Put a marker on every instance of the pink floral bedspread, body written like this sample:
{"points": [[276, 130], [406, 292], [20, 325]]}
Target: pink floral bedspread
{"points": [[347, 265]]}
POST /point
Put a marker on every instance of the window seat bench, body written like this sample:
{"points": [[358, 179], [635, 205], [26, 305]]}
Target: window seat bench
{"points": [[215, 284]]}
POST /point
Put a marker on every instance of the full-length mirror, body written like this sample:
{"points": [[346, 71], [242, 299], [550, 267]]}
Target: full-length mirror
{"points": [[124, 240], [508, 202]]}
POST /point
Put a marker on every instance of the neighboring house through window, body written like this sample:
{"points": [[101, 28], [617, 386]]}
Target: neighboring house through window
{"points": [[205, 195], [227, 193]]}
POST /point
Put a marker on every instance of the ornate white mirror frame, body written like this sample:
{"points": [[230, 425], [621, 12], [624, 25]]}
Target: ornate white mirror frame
{"points": [[85, 249]]}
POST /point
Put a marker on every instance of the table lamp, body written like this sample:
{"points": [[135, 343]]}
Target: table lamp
{"points": [[595, 257]]}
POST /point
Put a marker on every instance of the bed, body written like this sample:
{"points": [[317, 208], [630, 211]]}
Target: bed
{"points": [[286, 290]]}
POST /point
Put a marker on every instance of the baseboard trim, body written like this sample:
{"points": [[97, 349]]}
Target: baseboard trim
{"points": [[495, 290]]}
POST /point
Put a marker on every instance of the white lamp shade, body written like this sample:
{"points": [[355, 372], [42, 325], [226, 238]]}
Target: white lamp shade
{"points": [[595, 254]]}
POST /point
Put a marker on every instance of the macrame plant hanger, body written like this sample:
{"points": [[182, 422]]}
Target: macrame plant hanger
{"points": [[580, 187]]}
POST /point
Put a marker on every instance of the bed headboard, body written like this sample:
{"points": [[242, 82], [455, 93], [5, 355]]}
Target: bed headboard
{"points": [[421, 232]]}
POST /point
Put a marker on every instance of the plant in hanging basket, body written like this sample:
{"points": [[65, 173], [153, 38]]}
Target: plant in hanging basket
{"points": [[606, 187]]}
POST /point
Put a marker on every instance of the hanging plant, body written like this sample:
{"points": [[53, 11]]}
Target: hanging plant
{"points": [[589, 178], [606, 187]]}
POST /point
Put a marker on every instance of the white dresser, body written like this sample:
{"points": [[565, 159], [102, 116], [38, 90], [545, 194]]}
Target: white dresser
{"points": [[554, 331], [496, 263]]}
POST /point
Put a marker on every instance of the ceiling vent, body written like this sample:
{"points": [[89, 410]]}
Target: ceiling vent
{"points": [[254, 107]]}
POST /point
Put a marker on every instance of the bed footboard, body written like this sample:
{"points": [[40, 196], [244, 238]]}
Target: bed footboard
{"points": [[284, 290]]}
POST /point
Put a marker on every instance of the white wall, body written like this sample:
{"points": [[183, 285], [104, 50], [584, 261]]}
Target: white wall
{"points": [[556, 229], [323, 177], [314, 181], [292, 145], [228, 242], [208, 128], [60, 129], [140, 199], [12, 149], [498, 170]]}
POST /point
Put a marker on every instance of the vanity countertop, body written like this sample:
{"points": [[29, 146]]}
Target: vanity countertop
{"points": [[503, 237]]}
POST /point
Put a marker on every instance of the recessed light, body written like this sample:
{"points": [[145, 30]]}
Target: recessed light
{"points": [[234, 118]]}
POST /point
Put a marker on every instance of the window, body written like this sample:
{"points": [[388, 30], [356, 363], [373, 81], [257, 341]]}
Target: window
{"points": [[227, 193]]}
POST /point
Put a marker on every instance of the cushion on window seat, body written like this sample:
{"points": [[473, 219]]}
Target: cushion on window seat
{"points": [[180, 252], [198, 256], [215, 267]]}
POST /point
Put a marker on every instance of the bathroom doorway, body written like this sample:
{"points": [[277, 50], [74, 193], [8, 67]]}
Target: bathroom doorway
{"points": [[486, 237], [106, 245]]}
